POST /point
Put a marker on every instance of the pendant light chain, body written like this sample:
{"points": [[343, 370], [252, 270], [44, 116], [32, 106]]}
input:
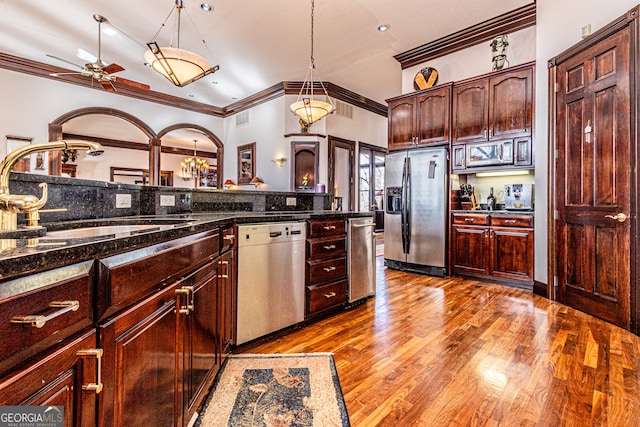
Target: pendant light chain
{"points": [[312, 13]]}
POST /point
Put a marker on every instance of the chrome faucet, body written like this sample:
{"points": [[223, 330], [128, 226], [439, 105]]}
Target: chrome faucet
{"points": [[12, 204]]}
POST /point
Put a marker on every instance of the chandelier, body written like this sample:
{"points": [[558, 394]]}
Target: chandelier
{"points": [[193, 167], [306, 107], [181, 67]]}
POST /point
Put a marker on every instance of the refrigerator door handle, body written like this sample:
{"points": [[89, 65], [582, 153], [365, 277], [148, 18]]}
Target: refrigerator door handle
{"points": [[407, 207], [404, 207]]}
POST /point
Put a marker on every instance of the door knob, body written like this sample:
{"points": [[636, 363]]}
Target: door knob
{"points": [[621, 217]]}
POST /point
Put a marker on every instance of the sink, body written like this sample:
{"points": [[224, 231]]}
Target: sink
{"points": [[107, 230]]}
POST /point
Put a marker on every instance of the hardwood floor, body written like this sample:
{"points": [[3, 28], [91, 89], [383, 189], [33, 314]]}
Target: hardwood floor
{"points": [[459, 352]]}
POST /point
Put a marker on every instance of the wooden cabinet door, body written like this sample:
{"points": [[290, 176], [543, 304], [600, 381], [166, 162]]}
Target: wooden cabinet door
{"points": [[522, 152], [593, 179], [66, 376], [226, 302], [140, 358], [512, 253], [511, 104], [401, 123], [470, 249], [470, 111], [197, 304], [457, 157], [433, 117]]}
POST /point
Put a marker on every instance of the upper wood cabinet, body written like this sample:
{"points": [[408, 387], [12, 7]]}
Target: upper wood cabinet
{"points": [[421, 118], [494, 107]]}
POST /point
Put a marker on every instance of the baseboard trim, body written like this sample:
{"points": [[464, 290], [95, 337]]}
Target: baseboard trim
{"points": [[541, 289]]}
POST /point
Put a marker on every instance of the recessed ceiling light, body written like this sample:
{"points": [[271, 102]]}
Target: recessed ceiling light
{"points": [[214, 82], [206, 7], [191, 95], [146, 64], [384, 27]]}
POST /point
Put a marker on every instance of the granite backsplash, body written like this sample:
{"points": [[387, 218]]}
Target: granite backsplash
{"points": [[85, 199]]}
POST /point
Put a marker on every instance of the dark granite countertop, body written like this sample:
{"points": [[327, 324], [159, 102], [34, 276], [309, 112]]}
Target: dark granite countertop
{"points": [[497, 212], [23, 256]]}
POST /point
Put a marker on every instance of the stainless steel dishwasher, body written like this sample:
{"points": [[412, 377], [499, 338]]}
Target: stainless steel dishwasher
{"points": [[361, 258], [270, 278]]}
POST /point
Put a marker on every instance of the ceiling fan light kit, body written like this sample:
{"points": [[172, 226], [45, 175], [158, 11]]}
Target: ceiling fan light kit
{"points": [[181, 67], [306, 107]]}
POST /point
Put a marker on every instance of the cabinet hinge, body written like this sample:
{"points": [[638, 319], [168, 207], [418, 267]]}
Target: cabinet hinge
{"points": [[556, 215], [556, 87], [556, 153]]}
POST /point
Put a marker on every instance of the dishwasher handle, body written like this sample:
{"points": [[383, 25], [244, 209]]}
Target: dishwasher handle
{"points": [[275, 234], [369, 224]]}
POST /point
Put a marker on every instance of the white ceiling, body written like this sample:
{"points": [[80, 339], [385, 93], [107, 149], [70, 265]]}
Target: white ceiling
{"points": [[257, 43]]}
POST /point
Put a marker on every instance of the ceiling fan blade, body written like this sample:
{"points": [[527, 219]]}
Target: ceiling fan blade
{"points": [[112, 68], [65, 74], [108, 86], [131, 83], [64, 60]]}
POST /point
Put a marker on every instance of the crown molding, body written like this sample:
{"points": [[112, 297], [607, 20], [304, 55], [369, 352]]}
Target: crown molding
{"points": [[509, 22], [39, 69]]}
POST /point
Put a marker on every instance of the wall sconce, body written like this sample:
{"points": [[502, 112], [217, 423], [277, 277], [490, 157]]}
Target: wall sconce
{"points": [[257, 181], [280, 162], [228, 183]]}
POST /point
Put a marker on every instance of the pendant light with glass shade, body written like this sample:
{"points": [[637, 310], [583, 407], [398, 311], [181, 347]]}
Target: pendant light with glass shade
{"points": [[181, 67], [306, 106]]}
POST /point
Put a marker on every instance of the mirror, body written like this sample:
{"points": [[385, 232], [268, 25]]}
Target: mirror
{"points": [[304, 166]]}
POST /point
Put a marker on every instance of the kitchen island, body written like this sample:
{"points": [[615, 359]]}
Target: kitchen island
{"points": [[107, 316]]}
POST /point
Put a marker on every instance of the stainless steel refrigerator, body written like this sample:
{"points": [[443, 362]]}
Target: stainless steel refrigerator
{"points": [[416, 205]]}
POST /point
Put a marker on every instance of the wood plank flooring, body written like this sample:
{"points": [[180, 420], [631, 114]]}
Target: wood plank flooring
{"points": [[460, 352]]}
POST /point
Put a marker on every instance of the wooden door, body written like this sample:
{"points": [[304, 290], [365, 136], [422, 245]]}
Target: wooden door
{"points": [[401, 123], [200, 336], [512, 253], [433, 113], [593, 180], [470, 249], [511, 104], [140, 358], [471, 111], [66, 376]]}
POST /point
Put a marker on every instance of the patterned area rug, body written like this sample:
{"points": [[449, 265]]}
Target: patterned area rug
{"points": [[297, 390]]}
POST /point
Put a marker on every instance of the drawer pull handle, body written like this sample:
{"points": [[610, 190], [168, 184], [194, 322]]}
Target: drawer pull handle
{"points": [[330, 295], [188, 292], [97, 353], [329, 247], [39, 320], [328, 269], [469, 219], [226, 269], [510, 221], [229, 237], [329, 227]]}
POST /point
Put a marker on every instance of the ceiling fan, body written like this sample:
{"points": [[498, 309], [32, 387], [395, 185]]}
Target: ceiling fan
{"points": [[98, 70]]}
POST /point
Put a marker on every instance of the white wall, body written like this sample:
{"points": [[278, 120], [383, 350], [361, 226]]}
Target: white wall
{"points": [[475, 60], [559, 26], [30, 103]]}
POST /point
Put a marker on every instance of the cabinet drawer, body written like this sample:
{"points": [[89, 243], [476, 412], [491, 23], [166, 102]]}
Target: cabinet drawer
{"points": [[325, 248], [128, 277], [325, 270], [41, 310], [320, 297], [326, 228], [525, 221], [471, 219]]}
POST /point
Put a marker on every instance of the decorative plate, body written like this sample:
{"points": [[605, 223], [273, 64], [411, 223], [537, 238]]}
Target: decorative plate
{"points": [[425, 78]]}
